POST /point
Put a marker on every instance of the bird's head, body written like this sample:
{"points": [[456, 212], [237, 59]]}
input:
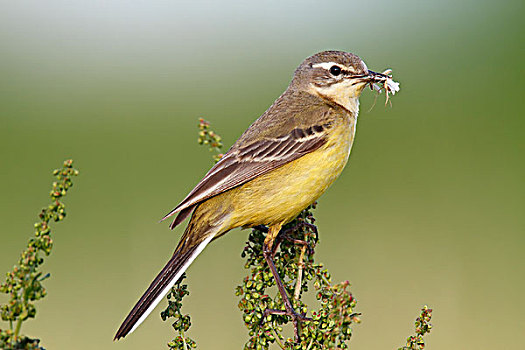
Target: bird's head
{"points": [[336, 76]]}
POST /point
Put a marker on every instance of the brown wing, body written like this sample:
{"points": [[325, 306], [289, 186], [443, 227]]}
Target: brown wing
{"points": [[243, 164]]}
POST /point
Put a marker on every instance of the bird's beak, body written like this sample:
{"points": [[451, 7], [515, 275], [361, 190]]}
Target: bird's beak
{"points": [[360, 81], [370, 77], [378, 77], [372, 74]]}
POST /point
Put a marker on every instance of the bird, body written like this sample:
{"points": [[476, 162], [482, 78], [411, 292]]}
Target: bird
{"points": [[279, 166]]}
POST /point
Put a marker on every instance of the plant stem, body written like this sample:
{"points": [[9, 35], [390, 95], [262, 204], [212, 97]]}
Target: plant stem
{"points": [[277, 339], [17, 329], [297, 292], [310, 344], [184, 340]]}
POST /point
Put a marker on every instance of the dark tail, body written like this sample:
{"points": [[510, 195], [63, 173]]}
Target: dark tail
{"points": [[179, 262]]}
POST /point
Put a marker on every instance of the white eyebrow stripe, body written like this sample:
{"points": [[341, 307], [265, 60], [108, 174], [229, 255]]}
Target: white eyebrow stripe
{"points": [[328, 65]]}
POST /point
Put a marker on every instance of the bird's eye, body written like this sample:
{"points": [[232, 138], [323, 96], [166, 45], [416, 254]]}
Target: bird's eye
{"points": [[335, 70]]}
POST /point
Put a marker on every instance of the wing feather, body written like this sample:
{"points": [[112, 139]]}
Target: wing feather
{"points": [[241, 165]]}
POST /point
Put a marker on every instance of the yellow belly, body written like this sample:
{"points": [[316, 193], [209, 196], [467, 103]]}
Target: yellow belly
{"points": [[278, 196]]}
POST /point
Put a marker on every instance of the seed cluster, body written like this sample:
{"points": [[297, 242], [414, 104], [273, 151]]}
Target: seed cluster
{"points": [[182, 322], [210, 138], [24, 282], [423, 326]]}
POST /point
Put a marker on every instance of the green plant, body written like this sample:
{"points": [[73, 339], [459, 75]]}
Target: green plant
{"points": [[330, 324], [210, 138], [24, 282], [423, 326], [182, 322]]}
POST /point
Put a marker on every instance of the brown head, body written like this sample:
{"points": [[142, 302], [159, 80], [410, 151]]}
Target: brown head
{"points": [[337, 76]]}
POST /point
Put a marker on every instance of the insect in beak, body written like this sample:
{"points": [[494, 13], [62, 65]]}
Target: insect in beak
{"points": [[380, 81]]}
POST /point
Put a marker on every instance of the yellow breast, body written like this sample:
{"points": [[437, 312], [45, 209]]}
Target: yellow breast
{"points": [[278, 196]]}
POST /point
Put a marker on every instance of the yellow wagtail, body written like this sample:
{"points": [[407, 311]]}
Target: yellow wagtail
{"points": [[284, 161]]}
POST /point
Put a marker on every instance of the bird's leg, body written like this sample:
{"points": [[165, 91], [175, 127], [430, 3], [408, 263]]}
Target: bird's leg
{"points": [[268, 256]]}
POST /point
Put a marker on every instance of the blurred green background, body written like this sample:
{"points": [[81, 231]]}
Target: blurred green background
{"points": [[430, 209]]}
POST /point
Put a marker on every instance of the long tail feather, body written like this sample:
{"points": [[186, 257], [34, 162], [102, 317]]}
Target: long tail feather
{"points": [[179, 262]]}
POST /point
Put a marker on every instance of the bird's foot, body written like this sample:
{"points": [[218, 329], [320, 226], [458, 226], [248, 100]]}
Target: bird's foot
{"points": [[286, 235], [289, 238]]}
